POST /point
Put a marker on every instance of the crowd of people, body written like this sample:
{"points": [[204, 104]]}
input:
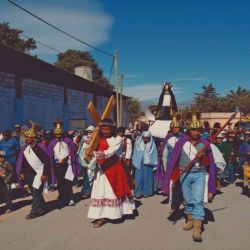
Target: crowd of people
{"points": [[190, 165]]}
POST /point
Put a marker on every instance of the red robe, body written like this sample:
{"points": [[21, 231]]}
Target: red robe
{"points": [[115, 173]]}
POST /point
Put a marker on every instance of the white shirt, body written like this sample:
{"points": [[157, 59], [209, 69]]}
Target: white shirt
{"points": [[61, 150]]}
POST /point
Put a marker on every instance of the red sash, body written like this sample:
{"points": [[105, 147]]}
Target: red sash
{"points": [[115, 173]]}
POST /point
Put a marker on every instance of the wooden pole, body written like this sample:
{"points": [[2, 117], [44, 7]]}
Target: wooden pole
{"points": [[117, 90], [121, 89]]}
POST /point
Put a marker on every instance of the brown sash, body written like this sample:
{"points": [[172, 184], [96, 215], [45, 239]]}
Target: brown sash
{"points": [[109, 162]]}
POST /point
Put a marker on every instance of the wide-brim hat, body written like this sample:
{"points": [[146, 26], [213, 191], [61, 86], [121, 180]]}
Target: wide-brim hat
{"points": [[90, 128]]}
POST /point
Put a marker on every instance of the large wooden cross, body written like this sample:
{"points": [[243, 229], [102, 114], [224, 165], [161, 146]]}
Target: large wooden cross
{"points": [[97, 119]]}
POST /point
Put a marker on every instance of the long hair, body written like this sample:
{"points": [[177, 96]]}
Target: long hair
{"points": [[108, 122]]}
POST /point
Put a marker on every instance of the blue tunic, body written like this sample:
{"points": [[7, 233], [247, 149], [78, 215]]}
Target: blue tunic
{"points": [[144, 180]]}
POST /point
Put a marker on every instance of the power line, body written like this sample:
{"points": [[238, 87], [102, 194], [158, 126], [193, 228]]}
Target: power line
{"points": [[42, 44], [46, 45], [58, 29], [112, 65]]}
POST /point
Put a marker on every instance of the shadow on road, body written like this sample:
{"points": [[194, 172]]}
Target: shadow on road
{"points": [[179, 214], [18, 193], [17, 205], [245, 190], [127, 216], [137, 203]]}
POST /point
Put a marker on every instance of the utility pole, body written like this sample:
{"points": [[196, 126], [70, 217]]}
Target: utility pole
{"points": [[117, 90], [121, 88]]}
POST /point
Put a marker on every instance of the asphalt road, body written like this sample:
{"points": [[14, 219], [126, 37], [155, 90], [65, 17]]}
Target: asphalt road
{"points": [[227, 227]]}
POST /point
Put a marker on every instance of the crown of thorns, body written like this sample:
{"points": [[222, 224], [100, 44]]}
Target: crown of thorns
{"points": [[107, 123]]}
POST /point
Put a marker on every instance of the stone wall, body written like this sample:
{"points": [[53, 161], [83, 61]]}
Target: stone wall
{"points": [[78, 102], [43, 103], [7, 95]]}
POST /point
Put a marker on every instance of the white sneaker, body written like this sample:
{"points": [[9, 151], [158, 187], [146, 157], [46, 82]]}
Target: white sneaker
{"points": [[71, 203]]}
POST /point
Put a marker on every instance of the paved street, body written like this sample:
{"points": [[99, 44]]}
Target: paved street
{"points": [[69, 228]]}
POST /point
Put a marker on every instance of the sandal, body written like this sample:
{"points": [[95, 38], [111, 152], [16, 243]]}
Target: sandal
{"points": [[99, 223], [171, 211]]}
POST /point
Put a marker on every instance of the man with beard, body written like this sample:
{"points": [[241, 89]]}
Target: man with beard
{"points": [[111, 196]]}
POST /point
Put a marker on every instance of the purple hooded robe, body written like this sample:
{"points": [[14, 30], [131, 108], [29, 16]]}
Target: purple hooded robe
{"points": [[20, 160], [159, 172], [73, 155], [175, 158]]}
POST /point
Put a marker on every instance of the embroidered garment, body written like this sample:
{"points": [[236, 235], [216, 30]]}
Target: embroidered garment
{"points": [[111, 195]]}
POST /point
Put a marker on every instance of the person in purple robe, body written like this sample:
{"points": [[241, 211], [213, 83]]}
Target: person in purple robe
{"points": [[165, 153], [33, 167], [193, 181], [62, 151]]}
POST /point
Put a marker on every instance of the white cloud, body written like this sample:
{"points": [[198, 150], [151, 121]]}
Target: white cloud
{"points": [[89, 22], [191, 79]]}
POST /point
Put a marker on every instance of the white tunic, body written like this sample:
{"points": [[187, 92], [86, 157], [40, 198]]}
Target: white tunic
{"points": [[61, 151], [36, 164]]}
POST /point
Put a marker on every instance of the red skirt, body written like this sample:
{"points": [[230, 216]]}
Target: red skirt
{"points": [[118, 180]]}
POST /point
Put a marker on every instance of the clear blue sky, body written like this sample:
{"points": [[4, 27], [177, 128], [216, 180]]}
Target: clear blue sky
{"points": [[190, 43]]}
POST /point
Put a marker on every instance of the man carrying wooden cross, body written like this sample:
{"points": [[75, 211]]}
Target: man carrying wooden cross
{"points": [[111, 196]]}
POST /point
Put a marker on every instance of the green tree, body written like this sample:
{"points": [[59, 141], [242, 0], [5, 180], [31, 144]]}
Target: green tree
{"points": [[73, 58], [240, 98], [207, 100], [12, 38], [134, 109]]}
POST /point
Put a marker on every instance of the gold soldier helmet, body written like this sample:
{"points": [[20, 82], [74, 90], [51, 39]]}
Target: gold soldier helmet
{"points": [[195, 122], [31, 132], [176, 123], [58, 127]]}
